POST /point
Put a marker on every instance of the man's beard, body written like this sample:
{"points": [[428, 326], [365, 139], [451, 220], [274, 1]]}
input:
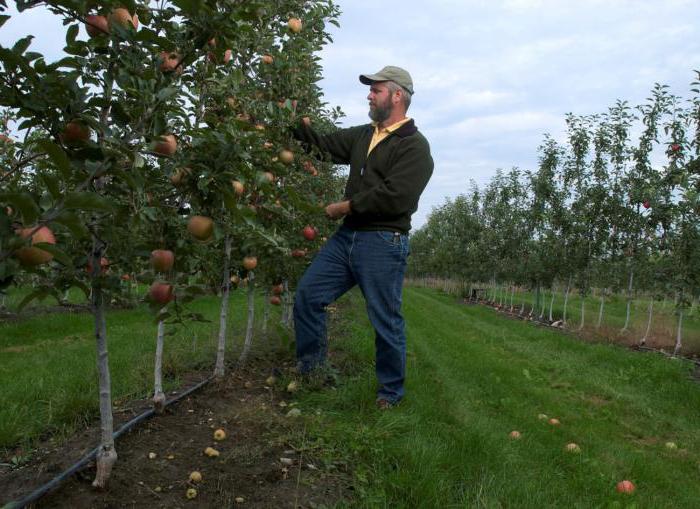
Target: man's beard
{"points": [[381, 112]]}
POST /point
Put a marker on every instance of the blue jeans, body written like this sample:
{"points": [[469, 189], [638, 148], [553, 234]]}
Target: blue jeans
{"points": [[376, 262]]}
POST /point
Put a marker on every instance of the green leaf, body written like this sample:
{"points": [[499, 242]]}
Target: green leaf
{"points": [[166, 93], [58, 254], [72, 221], [71, 34], [188, 6], [24, 203], [52, 185], [88, 201], [37, 294], [22, 45], [3, 20], [57, 156]]}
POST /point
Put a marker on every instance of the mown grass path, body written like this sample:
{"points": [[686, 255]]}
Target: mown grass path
{"points": [[473, 377]]}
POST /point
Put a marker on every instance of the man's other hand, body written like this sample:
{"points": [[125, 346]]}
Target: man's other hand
{"points": [[338, 209]]}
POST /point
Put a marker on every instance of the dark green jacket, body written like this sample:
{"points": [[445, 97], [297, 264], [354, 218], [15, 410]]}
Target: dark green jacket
{"points": [[383, 188]]}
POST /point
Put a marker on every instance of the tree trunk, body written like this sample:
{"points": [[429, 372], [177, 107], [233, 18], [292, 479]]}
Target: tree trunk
{"points": [[551, 305], [223, 314], [646, 334], [679, 333], [544, 305], [266, 312], [158, 394], [629, 302], [512, 294], [600, 309], [251, 317], [566, 300], [106, 455], [583, 311]]}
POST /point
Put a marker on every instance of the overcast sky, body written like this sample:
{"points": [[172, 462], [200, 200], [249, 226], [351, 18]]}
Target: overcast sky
{"points": [[492, 76]]}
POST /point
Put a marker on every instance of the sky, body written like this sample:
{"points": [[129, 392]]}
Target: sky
{"points": [[491, 77]]}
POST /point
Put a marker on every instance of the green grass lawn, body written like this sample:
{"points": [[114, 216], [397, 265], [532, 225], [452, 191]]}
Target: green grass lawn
{"points": [[48, 371], [473, 377]]}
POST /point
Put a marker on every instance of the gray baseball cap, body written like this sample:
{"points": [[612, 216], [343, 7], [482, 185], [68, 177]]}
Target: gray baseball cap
{"points": [[390, 73]]}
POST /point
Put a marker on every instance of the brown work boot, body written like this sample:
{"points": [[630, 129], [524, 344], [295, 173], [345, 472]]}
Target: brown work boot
{"points": [[385, 404]]}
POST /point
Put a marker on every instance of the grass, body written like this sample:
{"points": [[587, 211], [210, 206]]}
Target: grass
{"points": [[664, 321], [48, 370], [474, 376]]}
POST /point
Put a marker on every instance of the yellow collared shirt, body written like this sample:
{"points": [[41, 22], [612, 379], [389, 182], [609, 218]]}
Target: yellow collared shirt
{"points": [[381, 133]]}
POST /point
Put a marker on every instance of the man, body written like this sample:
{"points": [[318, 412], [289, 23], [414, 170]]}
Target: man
{"points": [[390, 165]]}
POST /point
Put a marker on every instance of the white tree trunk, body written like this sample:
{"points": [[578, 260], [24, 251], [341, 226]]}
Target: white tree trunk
{"points": [[106, 455], [551, 304], [566, 299], [512, 294], [646, 334], [266, 311], [583, 311], [219, 368], [679, 333], [158, 394], [600, 309], [629, 302], [251, 317]]}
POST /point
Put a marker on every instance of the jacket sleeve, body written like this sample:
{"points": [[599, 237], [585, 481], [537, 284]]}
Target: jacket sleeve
{"points": [[398, 193], [337, 144]]}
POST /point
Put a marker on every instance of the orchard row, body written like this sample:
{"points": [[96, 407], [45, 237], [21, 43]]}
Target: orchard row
{"points": [[159, 148]]}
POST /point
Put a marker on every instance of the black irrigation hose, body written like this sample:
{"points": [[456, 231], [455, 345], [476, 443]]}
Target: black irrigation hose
{"points": [[56, 481]]}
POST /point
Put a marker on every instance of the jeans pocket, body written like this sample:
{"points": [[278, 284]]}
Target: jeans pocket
{"points": [[389, 237]]}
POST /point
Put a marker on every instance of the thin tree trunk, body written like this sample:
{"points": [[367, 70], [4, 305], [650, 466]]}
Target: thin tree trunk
{"points": [[544, 305], [566, 300], [512, 294], [629, 302], [551, 305], [223, 314], [583, 311], [266, 312], [158, 394], [646, 334], [679, 333], [600, 309], [106, 454], [251, 317]]}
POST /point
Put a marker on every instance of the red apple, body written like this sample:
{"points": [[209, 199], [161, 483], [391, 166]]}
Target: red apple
{"points": [[267, 59], [5, 139], [238, 187], [166, 145], [170, 61], [33, 256], [162, 260], [675, 147], [294, 25], [309, 232], [96, 26], [286, 156], [269, 177], [646, 204], [250, 262], [298, 253], [123, 17], [625, 487], [275, 300], [162, 293], [75, 133], [277, 289], [104, 265], [200, 227]]}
